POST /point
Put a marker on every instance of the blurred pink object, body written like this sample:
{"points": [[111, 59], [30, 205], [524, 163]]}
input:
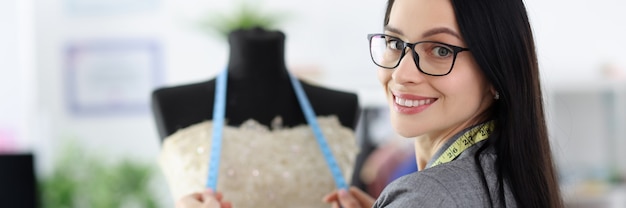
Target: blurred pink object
{"points": [[7, 141], [614, 71]]}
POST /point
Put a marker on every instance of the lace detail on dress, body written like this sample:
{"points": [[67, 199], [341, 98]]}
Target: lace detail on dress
{"points": [[282, 167]]}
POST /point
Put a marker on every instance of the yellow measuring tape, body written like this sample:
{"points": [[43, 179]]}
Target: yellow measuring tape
{"points": [[468, 139]]}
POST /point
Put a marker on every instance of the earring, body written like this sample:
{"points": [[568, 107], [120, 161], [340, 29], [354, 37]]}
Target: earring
{"points": [[497, 96]]}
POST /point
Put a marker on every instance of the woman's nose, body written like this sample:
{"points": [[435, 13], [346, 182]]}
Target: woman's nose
{"points": [[407, 72]]}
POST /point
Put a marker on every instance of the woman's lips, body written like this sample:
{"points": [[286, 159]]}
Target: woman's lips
{"points": [[411, 104]]}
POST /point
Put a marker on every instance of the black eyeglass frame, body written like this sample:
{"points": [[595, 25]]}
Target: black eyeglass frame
{"points": [[455, 50]]}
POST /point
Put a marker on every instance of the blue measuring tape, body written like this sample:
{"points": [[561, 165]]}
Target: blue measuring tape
{"points": [[219, 110], [309, 114]]}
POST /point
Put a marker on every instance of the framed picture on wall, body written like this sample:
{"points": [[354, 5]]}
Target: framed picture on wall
{"points": [[104, 77]]}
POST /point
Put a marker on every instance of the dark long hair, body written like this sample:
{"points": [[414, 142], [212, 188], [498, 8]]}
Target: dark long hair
{"points": [[499, 36]]}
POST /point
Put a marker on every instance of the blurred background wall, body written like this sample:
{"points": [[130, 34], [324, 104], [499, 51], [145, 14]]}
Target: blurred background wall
{"points": [[82, 71]]}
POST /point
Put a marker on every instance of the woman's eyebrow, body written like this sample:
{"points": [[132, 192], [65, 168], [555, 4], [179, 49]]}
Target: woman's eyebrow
{"points": [[431, 32], [439, 30], [393, 30]]}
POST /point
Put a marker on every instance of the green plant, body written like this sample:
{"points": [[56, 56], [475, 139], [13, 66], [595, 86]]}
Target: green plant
{"points": [[82, 180], [246, 16]]}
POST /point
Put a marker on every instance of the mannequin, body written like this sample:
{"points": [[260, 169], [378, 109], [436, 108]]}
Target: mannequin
{"points": [[258, 88], [255, 159]]}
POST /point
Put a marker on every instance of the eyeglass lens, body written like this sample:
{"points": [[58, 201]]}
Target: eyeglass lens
{"points": [[433, 57]]}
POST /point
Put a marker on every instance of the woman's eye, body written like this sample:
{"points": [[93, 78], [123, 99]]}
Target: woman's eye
{"points": [[441, 51], [395, 44]]}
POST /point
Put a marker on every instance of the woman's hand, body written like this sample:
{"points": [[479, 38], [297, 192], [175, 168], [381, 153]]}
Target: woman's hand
{"points": [[205, 199], [351, 198]]}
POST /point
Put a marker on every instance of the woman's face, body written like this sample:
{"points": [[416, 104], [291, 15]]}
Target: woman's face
{"points": [[446, 102]]}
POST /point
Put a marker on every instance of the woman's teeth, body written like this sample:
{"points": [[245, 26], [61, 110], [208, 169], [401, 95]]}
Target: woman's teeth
{"points": [[412, 103]]}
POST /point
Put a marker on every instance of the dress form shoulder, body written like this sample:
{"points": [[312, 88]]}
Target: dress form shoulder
{"points": [[259, 89]]}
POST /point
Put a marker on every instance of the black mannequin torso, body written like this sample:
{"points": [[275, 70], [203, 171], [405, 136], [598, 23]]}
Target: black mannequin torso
{"points": [[258, 88]]}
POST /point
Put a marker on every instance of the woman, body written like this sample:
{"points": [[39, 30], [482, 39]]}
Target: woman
{"points": [[462, 80], [481, 70]]}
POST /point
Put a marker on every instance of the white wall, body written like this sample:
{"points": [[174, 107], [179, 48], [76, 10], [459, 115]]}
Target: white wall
{"points": [[8, 20], [17, 76], [576, 38], [325, 35]]}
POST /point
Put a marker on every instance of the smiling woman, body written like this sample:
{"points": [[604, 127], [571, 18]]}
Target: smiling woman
{"points": [[467, 96]]}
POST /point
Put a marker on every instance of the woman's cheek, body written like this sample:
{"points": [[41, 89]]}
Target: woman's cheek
{"points": [[384, 76]]}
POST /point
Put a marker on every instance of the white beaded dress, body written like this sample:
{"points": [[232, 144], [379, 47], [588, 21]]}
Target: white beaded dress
{"points": [[260, 166]]}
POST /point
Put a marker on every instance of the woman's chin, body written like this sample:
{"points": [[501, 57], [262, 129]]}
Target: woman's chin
{"points": [[407, 132]]}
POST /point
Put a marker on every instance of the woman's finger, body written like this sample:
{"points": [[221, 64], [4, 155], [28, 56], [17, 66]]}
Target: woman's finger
{"points": [[331, 197], [196, 196], [227, 205], [347, 200], [190, 201], [210, 200], [365, 199]]}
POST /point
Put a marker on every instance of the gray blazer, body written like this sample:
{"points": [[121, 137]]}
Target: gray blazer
{"points": [[454, 184]]}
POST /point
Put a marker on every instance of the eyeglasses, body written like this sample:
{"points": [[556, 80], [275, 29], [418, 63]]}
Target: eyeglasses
{"points": [[431, 57]]}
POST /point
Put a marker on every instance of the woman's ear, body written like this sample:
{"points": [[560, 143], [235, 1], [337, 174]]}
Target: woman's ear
{"points": [[494, 92]]}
